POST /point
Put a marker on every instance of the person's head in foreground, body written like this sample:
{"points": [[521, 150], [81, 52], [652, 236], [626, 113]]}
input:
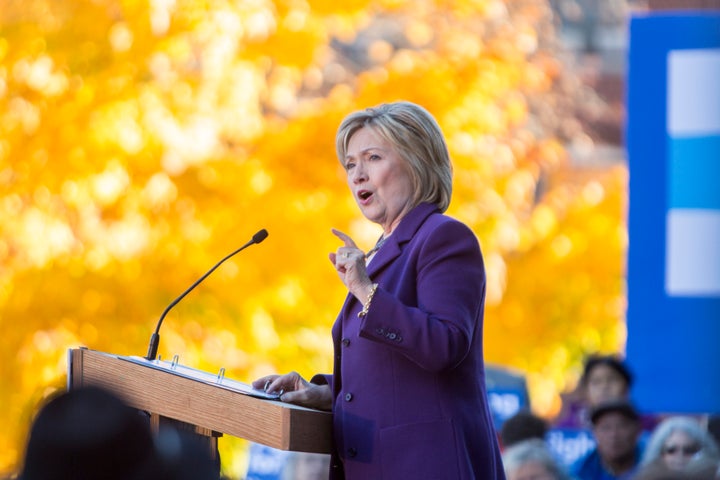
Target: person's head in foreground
{"points": [[87, 434]]}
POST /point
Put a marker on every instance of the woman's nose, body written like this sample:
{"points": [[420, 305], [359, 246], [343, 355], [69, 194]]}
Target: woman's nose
{"points": [[358, 174]]}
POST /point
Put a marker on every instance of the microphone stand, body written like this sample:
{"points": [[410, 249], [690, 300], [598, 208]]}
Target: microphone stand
{"points": [[155, 338]]}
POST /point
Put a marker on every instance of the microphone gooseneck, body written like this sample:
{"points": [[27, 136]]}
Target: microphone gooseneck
{"points": [[155, 338]]}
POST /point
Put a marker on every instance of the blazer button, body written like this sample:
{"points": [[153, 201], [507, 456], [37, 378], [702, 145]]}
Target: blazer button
{"points": [[380, 331], [345, 342], [392, 336], [348, 397], [352, 452]]}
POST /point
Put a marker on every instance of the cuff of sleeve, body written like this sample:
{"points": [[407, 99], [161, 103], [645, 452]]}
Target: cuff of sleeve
{"points": [[320, 379]]}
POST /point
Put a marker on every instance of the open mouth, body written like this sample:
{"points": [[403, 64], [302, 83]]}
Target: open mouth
{"points": [[364, 194]]}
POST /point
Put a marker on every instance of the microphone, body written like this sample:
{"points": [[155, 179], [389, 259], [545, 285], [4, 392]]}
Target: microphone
{"points": [[155, 338]]}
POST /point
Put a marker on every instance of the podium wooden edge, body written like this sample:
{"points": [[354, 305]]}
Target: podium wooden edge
{"points": [[273, 423]]}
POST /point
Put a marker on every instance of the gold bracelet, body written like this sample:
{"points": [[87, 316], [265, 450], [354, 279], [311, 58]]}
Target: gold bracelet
{"points": [[366, 307]]}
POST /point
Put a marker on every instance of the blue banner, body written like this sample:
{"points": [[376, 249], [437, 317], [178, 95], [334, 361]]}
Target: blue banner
{"points": [[673, 143]]}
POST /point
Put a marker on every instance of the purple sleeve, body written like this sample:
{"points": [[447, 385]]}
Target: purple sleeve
{"points": [[449, 284]]}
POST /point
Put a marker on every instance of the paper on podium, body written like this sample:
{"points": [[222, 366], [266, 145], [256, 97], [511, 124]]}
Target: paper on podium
{"points": [[218, 380]]}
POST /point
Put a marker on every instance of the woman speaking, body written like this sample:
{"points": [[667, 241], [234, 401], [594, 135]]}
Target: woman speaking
{"points": [[408, 387]]}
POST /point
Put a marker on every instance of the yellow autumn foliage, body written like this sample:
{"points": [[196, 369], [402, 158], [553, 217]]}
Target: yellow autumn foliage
{"points": [[142, 141]]}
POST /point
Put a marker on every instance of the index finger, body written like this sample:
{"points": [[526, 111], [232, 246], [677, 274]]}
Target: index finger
{"points": [[345, 238]]}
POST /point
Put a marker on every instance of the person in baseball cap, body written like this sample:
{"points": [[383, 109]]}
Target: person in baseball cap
{"points": [[616, 428], [622, 407]]}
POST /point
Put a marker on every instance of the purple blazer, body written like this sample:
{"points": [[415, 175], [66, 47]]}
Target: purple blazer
{"points": [[409, 381]]}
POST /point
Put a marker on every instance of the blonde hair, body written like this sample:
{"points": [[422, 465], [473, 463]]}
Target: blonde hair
{"points": [[416, 135]]}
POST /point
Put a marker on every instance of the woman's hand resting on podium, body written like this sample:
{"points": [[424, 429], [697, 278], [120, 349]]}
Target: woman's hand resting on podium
{"points": [[295, 389]]}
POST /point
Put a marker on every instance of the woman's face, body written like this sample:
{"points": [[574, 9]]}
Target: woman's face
{"points": [[379, 178], [678, 449], [604, 383]]}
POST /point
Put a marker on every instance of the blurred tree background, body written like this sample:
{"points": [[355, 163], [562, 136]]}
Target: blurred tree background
{"points": [[143, 140]]}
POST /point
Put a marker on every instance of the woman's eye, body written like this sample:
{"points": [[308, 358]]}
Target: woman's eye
{"points": [[374, 156], [349, 165]]}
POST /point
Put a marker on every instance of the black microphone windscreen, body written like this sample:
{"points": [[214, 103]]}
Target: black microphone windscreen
{"points": [[260, 236]]}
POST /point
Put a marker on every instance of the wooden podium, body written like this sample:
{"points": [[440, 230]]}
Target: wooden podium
{"points": [[209, 403]]}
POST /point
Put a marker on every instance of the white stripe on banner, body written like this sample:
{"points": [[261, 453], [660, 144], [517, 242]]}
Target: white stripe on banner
{"points": [[693, 253], [693, 98]]}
